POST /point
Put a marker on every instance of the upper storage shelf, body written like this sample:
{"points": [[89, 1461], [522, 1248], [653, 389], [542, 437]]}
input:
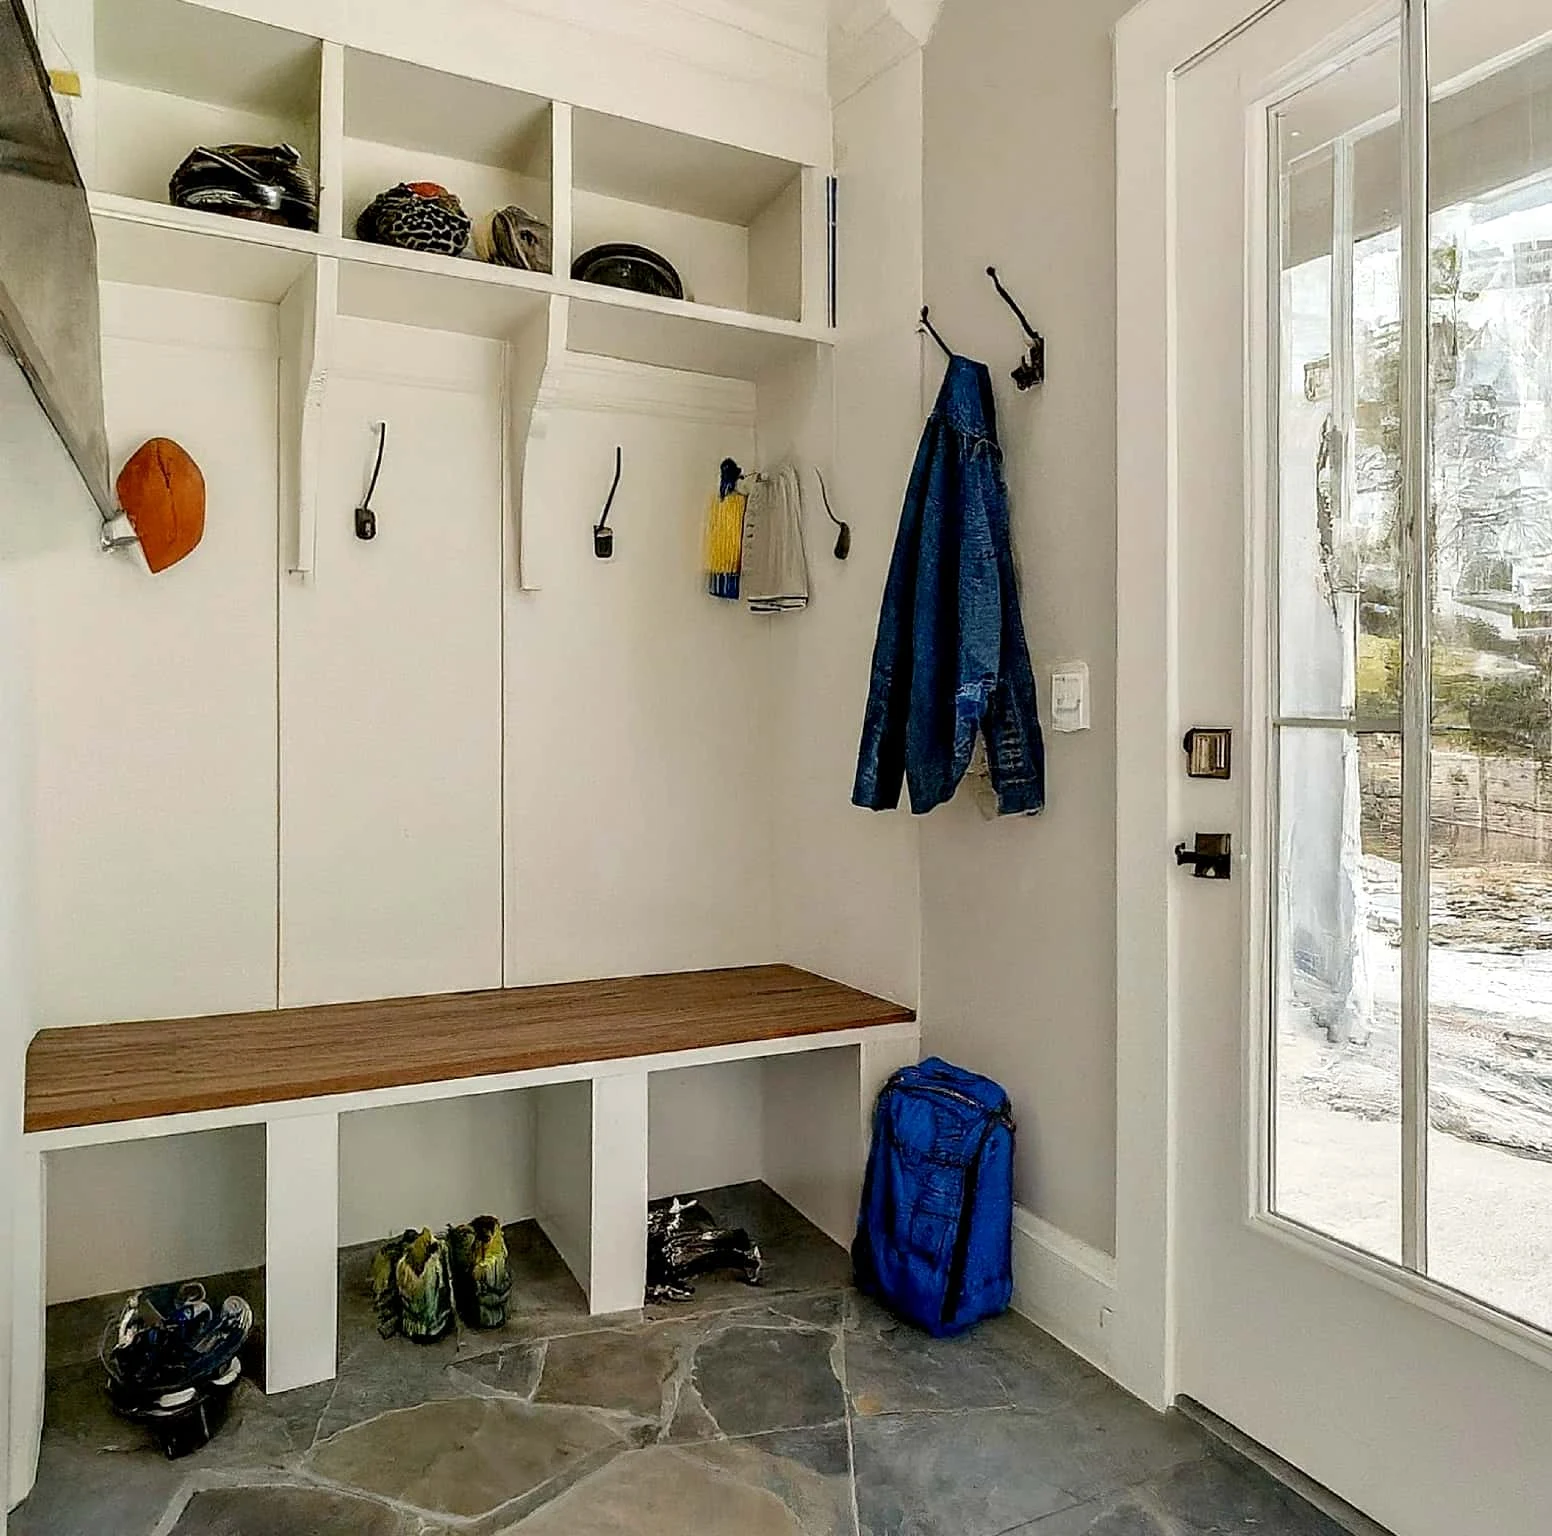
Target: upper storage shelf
{"points": [[171, 75], [490, 146], [729, 220], [742, 229]]}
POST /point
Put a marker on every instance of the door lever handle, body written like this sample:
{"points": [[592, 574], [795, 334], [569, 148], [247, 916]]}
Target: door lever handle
{"points": [[1211, 859]]}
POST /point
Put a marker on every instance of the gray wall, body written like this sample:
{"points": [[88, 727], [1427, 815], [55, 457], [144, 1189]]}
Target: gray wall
{"points": [[1018, 917]]}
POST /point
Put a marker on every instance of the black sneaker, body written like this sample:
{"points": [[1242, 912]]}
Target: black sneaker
{"points": [[171, 1361]]}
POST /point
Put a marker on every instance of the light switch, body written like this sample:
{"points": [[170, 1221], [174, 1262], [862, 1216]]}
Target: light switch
{"points": [[1070, 697]]}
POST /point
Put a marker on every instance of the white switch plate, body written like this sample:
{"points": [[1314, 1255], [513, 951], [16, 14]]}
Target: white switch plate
{"points": [[1070, 697]]}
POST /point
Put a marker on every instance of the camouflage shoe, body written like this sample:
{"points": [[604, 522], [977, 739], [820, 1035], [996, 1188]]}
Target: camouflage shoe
{"points": [[482, 1280], [385, 1282], [424, 1278]]}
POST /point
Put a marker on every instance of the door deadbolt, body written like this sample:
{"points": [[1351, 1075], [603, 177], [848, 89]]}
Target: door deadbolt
{"points": [[1211, 859]]}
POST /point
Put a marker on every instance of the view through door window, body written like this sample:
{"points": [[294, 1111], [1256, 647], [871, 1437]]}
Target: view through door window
{"points": [[1339, 1140]]}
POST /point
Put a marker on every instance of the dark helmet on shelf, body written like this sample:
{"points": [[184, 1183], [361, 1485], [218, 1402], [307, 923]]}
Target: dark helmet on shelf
{"points": [[248, 181], [629, 266]]}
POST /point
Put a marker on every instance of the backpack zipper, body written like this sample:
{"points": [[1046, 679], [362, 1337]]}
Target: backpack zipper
{"points": [[1002, 1115]]}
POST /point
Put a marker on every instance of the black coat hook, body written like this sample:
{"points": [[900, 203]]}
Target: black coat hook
{"points": [[843, 538], [1031, 371], [932, 331], [366, 518], [603, 534]]}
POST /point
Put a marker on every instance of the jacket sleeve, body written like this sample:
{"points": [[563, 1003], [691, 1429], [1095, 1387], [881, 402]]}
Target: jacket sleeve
{"points": [[979, 660], [881, 756]]}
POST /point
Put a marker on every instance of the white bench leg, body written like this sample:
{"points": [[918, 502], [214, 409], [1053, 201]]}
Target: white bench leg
{"points": [[619, 1267], [591, 1184], [29, 1234], [301, 1251]]}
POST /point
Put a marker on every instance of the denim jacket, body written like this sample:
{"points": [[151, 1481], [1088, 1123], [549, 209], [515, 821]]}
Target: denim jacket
{"points": [[951, 657]]}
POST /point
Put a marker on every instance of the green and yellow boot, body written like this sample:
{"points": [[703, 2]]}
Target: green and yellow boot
{"points": [[482, 1280], [424, 1282], [385, 1283]]}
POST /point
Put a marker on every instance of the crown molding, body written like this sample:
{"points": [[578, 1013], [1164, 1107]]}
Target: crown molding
{"points": [[577, 382], [868, 37]]}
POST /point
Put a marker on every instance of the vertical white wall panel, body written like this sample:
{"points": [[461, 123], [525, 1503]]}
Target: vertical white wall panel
{"points": [[638, 776], [391, 684], [154, 769]]}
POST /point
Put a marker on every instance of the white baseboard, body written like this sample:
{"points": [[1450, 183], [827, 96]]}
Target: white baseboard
{"points": [[1064, 1286]]}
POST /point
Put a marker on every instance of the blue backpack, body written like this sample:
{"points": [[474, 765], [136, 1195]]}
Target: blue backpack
{"points": [[935, 1234]]}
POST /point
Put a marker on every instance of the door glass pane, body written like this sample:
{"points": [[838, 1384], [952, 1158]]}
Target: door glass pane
{"points": [[1339, 393], [1336, 1090], [1490, 958], [1337, 1096]]}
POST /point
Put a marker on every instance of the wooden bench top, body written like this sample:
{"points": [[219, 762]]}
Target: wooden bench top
{"points": [[108, 1072]]}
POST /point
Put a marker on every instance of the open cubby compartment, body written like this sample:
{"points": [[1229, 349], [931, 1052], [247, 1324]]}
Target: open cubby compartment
{"points": [[169, 76], [209, 1221], [730, 220], [436, 1163], [796, 1122], [488, 145]]}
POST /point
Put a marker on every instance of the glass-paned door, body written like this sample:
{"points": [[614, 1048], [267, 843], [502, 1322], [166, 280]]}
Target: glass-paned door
{"points": [[1411, 1088]]}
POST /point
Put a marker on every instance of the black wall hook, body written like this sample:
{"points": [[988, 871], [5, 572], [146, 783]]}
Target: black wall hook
{"points": [[366, 518], [843, 537], [1031, 371], [932, 330], [603, 534]]}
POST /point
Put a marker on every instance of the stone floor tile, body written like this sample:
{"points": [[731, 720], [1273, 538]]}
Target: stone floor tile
{"points": [[289, 1512], [265, 1431], [624, 1370], [85, 1492], [809, 1470], [1222, 1494], [669, 1491], [468, 1456], [1107, 1441], [893, 1367], [513, 1371], [1125, 1514], [381, 1375], [954, 1474], [756, 1379], [1006, 1362]]}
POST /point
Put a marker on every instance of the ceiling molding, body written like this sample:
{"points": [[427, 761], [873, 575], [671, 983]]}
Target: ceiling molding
{"points": [[868, 37]]}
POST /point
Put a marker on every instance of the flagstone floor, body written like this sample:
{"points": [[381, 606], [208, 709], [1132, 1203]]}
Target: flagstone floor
{"points": [[798, 1409]]}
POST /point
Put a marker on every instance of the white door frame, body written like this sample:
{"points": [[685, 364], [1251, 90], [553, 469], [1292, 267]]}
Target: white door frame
{"points": [[1153, 44]]}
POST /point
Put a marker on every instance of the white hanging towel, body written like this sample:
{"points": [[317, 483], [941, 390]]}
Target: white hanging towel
{"points": [[775, 578]]}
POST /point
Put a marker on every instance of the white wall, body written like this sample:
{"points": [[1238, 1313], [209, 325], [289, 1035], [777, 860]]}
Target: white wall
{"points": [[42, 501], [638, 780], [706, 1128], [848, 895], [1019, 918]]}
